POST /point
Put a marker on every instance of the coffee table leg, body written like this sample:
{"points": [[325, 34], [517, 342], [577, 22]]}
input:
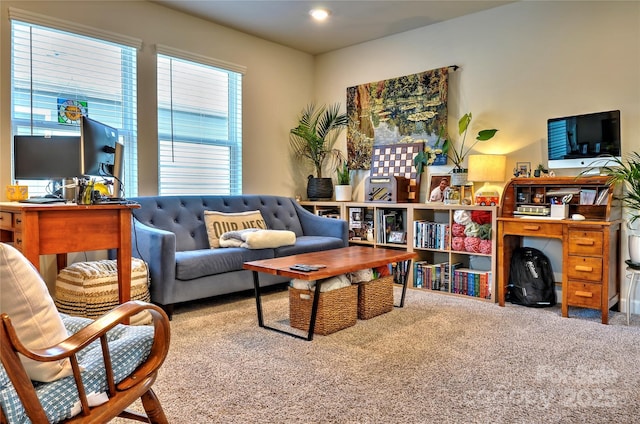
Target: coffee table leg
{"points": [[404, 276], [314, 310], [312, 320], [256, 286]]}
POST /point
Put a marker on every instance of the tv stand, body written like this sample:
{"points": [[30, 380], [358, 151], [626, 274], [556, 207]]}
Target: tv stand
{"points": [[590, 248]]}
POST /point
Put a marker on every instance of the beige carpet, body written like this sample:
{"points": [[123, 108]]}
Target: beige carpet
{"points": [[441, 359]]}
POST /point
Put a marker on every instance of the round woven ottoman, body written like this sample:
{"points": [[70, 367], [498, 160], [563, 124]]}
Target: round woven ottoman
{"points": [[90, 289]]}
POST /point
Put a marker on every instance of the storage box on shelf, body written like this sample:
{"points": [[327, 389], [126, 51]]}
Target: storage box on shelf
{"points": [[461, 268]]}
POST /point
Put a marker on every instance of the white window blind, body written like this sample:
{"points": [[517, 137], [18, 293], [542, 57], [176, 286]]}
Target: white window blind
{"points": [[50, 67], [199, 127]]}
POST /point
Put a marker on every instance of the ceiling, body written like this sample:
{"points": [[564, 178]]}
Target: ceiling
{"points": [[351, 22]]}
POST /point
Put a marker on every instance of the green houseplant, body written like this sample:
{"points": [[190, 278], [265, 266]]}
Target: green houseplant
{"points": [[626, 171], [343, 186], [447, 147], [314, 139]]}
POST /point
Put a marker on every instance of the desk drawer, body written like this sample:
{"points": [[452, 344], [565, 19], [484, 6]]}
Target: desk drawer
{"points": [[584, 268], [585, 243], [17, 221], [17, 240], [6, 220], [584, 294], [535, 229]]}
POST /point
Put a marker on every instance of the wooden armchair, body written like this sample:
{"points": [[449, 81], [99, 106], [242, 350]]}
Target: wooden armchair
{"points": [[121, 392]]}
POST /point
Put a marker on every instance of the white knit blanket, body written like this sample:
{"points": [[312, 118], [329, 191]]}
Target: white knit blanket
{"points": [[254, 238]]}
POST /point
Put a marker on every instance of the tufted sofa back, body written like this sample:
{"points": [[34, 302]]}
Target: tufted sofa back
{"points": [[184, 215]]}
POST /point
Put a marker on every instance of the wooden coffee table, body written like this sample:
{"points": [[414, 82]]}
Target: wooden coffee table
{"points": [[337, 262]]}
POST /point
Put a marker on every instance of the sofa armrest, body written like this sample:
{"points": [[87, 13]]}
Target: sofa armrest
{"points": [[313, 225], [158, 249]]}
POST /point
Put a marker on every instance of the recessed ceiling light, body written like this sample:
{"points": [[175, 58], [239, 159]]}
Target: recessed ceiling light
{"points": [[319, 14]]}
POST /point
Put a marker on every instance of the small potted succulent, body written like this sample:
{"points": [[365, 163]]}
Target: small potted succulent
{"points": [[343, 188]]}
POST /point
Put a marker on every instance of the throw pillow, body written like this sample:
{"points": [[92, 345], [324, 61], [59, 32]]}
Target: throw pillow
{"points": [[26, 299], [218, 223]]}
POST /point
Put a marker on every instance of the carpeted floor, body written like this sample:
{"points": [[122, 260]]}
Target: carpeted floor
{"points": [[441, 359]]}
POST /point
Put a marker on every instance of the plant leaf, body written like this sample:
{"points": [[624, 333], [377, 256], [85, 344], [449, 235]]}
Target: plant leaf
{"points": [[485, 135], [463, 123]]}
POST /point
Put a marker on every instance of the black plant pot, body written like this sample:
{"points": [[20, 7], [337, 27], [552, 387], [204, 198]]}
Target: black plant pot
{"points": [[319, 188]]}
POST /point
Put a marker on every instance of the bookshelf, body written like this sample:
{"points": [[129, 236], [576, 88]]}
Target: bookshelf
{"points": [[463, 267]]}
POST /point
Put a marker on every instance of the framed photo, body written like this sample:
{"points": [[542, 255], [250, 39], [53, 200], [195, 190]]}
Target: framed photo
{"points": [[434, 192], [523, 169], [396, 237]]}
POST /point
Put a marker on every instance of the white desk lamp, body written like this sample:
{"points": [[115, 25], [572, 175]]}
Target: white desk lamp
{"points": [[487, 169]]}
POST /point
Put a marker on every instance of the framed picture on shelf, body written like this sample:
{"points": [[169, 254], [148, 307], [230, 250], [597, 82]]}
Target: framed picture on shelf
{"points": [[396, 237], [523, 169], [435, 192]]}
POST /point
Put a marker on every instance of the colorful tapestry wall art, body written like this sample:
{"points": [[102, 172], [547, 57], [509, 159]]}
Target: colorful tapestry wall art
{"points": [[408, 109]]}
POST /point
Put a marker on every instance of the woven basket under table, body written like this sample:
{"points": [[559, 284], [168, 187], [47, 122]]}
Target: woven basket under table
{"points": [[337, 309], [375, 297]]}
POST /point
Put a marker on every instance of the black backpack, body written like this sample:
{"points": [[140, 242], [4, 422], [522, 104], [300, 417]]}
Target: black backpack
{"points": [[531, 280]]}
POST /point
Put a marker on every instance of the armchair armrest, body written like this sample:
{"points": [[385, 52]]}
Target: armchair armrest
{"points": [[314, 225], [10, 346], [158, 249]]}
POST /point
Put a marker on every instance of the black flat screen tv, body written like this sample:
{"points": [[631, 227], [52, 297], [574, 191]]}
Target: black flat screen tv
{"points": [[97, 148], [583, 140], [46, 158]]}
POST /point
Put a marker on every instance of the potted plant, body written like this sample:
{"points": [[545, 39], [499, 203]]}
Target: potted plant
{"points": [[456, 155], [540, 170], [314, 138], [343, 188], [626, 171]]}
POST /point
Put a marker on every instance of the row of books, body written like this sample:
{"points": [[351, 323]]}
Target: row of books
{"points": [[431, 235], [472, 282], [453, 278], [433, 276]]}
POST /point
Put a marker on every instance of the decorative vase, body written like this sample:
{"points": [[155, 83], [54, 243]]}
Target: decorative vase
{"points": [[343, 193], [459, 176], [634, 249], [319, 188]]}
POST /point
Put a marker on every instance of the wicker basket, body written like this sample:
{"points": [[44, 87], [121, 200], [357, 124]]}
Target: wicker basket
{"points": [[337, 309], [375, 297]]}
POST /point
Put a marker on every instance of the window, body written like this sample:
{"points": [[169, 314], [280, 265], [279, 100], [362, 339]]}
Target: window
{"points": [[52, 69], [199, 125]]}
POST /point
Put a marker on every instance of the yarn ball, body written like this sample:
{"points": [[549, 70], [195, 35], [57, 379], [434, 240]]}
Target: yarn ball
{"points": [[485, 247], [472, 229], [457, 243], [457, 230], [481, 217], [461, 217], [472, 244], [485, 232]]}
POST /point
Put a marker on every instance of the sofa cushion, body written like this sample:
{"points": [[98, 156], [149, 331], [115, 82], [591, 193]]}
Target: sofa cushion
{"points": [[218, 223], [305, 244], [201, 263], [26, 299]]}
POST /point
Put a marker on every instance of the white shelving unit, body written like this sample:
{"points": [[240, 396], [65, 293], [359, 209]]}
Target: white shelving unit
{"points": [[438, 249]]}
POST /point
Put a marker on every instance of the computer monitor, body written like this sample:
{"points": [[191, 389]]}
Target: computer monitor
{"points": [[38, 157], [97, 148]]}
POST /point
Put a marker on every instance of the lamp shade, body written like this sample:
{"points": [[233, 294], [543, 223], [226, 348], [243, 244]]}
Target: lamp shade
{"points": [[487, 168]]}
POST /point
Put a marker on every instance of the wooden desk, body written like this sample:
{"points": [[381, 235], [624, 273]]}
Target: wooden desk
{"points": [[336, 261], [590, 248], [62, 228]]}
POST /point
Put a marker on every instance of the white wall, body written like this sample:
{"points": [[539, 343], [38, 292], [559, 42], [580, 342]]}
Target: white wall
{"points": [[520, 65], [278, 82]]}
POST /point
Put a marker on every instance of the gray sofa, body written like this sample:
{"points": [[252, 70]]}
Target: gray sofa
{"points": [[169, 233]]}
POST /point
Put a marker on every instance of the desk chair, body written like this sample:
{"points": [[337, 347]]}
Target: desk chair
{"points": [[60, 369], [634, 276]]}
